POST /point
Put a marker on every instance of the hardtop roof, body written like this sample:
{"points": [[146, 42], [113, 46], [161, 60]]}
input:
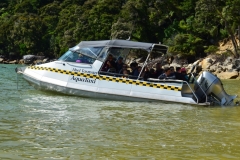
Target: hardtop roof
{"points": [[120, 43]]}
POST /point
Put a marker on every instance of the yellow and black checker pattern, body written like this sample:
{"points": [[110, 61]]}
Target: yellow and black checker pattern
{"points": [[108, 78]]}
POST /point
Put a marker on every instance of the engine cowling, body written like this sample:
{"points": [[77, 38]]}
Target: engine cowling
{"points": [[212, 86]]}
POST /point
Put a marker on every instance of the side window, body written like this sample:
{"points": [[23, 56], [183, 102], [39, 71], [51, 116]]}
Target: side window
{"points": [[115, 52], [103, 55]]}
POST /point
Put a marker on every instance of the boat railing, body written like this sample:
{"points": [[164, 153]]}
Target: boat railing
{"points": [[181, 81], [191, 90], [175, 81], [196, 83], [165, 80], [118, 75]]}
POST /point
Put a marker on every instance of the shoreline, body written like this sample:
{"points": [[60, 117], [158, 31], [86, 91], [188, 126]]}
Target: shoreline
{"points": [[223, 69]]}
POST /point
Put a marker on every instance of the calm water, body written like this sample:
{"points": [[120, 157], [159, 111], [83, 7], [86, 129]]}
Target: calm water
{"points": [[40, 125]]}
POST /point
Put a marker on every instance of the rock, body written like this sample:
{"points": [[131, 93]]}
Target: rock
{"points": [[21, 61], [175, 65], [1, 60], [228, 61], [165, 66], [206, 63], [218, 70], [45, 60], [213, 68], [228, 75], [223, 68], [38, 61], [189, 65], [237, 64], [209, 60], [229, 67], [28, 59], [13, 62]]}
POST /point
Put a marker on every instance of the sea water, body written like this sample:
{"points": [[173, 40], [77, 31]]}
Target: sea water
{"points": [[44, 125]]}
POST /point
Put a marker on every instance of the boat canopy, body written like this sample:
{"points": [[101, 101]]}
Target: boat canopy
{"points": [[123, 44]]}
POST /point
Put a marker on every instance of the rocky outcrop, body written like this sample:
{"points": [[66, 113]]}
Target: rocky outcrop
{"points": [[228, 75], [206, 63], [225, 69]]}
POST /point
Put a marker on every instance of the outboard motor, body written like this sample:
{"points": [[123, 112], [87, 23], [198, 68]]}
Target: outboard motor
{"points": [[212, 86]]}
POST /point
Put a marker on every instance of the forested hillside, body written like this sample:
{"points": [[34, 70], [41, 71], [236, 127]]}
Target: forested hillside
{"points": [[50, 27]]}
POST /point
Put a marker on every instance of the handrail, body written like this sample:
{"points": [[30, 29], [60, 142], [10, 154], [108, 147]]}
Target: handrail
{"points": [[200, 87], [191, 90], [116, 74], [164, 80], [174, 80]]}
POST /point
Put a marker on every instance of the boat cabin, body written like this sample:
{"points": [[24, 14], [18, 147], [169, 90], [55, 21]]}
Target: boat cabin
{"points": [[98, 53]]}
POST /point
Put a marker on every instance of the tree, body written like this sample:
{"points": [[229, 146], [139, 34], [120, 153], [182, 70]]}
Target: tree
{"points": [[26, 32], [210, 12]]}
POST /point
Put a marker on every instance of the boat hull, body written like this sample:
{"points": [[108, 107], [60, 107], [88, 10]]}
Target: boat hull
{"points": [[40, 85]]}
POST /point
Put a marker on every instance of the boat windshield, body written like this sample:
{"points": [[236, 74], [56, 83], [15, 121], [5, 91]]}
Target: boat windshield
{"points": [[71, 56], [81, 55], [89, 51]]}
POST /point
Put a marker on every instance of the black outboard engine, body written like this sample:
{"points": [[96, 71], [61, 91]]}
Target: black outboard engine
{"points": [[212, 86]]}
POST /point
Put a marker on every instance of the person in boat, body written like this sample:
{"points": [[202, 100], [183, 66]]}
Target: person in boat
{"points": [[172, 72], [134, 68], [109, 64], [178, 74], [82, 59], [166, 74], [159, 70], [119, 65], [124, 67], [125, 73], [149, 73]]}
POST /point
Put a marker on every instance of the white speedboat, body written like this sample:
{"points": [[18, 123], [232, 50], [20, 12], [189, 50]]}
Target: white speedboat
{"points": [[80, 71]]}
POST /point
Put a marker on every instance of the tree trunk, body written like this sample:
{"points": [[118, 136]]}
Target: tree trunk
{"points": [[239, 34], [234, 45], [236, 55]]}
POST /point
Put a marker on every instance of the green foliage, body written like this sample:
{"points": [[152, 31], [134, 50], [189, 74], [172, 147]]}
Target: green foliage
{"points": [[211, 49], [172, 29], [23, 49], [51, 27], [26, 6], [186, 45], [121, 30], [223, 33]]}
